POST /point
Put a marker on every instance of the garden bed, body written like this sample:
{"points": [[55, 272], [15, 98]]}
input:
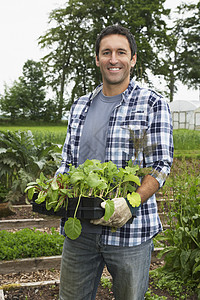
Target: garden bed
{"points": [[23, 212], [45, 285], [48, 291], [24, 217], [156, 291], [42, 284], [51, 273]]}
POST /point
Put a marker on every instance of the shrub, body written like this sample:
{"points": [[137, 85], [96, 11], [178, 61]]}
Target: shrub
{"points": [[21, 161], [29, 243]]}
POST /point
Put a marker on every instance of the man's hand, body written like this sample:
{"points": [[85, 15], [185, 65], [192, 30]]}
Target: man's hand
{"points": [[120, 216]]}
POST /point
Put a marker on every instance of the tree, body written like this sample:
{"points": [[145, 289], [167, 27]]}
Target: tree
{"points": [[188, 60], [68, 58], [61, 42], [11, 101], [33, 82], [50, 111], [26, 97], [181, 58], [71, 41]]}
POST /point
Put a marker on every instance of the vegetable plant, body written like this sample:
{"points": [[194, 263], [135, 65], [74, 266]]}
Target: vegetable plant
{"points": [[182, 239], [91, 179], [21, 161]]}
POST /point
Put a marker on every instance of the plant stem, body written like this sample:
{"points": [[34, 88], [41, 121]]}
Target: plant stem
{"points": [[79, 199], [111, 189]]}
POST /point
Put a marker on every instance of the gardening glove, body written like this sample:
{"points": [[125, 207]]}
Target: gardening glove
{"points": [[121, 215]]}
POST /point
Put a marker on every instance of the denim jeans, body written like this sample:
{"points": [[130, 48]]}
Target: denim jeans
{"points": [[83, 261]]}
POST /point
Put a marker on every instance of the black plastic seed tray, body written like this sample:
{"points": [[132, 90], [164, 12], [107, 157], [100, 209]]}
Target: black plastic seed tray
{"points": [[89, 208]]}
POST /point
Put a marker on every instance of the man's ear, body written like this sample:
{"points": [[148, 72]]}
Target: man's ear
{"points": [[133, 60], [97, 61]]}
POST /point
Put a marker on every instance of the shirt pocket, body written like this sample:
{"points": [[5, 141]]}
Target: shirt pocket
{"points": [[133, 134], [137, 119]]}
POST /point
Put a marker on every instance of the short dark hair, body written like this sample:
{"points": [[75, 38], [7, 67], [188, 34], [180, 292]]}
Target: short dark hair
{"points": [[116, 29]]}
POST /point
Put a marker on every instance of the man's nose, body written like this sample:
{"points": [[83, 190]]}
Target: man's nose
{"points": [[113, 58]]}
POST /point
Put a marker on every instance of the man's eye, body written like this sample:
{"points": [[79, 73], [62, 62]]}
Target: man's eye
{"points": [[122, 52], [106, 53]]}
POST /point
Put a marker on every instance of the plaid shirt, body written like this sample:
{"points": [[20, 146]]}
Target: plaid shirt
{"points": [[141, 110]]}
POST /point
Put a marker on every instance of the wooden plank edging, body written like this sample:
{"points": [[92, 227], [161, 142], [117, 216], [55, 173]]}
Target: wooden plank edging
{"points": [[28, 284], [30, 264], [42, 263], [22, 205], [30, 223]]}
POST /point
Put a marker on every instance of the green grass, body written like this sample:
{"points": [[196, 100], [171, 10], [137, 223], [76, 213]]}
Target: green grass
{"points": [[50, 128], [56, 137], [186, 139], [52, 133], [187, 154]]}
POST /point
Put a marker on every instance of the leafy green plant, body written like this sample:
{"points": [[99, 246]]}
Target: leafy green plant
{"points": [[151, 296], [182, 251], [21, 161], [29, 243], [91, 179], [106, 282], [3, 192], [172, 283]]}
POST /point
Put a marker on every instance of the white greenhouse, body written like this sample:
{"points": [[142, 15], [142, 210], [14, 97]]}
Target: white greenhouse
{"points": [[185, 114]]}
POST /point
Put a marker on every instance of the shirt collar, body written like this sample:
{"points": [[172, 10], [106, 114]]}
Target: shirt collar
{"points": [[132, 86], [125, 94], [96, 91]]}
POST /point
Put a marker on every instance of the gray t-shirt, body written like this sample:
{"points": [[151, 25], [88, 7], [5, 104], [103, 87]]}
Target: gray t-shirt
{"points": [[93, 138]]}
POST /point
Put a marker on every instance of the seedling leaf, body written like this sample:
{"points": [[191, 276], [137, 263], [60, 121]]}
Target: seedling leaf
{"points": [[134, 199], [109, 209], [54, 185], [31, 193], [41, 197], [73, 228], [133, 178]]}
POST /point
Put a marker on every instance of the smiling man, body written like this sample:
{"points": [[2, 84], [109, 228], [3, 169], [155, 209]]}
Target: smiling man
{"points": [[115, 60], [100, 127]]}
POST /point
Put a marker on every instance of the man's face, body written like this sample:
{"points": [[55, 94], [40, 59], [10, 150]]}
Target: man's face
{"points": [[115, 61]]}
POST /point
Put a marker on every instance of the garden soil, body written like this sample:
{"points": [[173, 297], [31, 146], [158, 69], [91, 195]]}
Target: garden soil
{"points": [[50, 292]]}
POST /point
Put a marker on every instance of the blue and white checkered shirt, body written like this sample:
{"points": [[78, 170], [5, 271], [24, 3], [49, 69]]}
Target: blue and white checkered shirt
{"points": [[141, 110]]}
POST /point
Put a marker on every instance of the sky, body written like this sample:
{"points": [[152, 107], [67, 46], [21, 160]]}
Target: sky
{"points": [[22, 22]]}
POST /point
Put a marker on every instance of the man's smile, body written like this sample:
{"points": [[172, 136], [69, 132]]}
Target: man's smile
{"points": [[114, 69]]}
